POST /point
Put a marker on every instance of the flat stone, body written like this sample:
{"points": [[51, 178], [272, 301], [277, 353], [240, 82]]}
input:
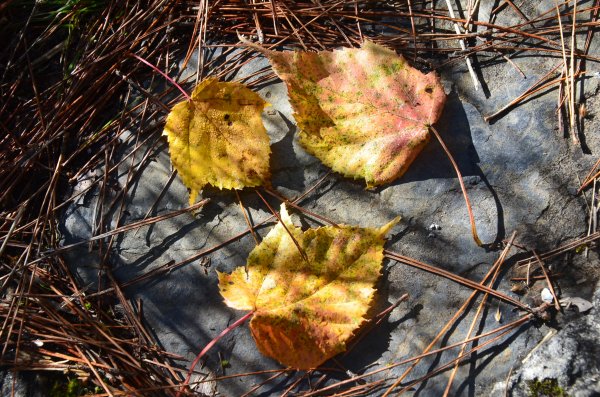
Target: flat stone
{"points": [[519, 172]]}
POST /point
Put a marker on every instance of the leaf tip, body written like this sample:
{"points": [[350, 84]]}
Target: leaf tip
{"points": [[285, 215], [387, 227], [193, 196]]}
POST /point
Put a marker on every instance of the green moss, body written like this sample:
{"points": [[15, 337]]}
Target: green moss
{"points": [[67, 388], [545, 388]]}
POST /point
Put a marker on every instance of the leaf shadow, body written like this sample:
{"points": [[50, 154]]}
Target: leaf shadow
{"points": [[455, 130], [480, 360], [284, 163], [279, 387], [433, 163], [373, 340]]}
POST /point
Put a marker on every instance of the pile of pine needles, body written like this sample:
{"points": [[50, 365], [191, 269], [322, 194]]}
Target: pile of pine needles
{"points": [[73, 92]]}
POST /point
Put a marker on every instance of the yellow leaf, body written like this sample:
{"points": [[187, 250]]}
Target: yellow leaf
{"points": [[218, 138], [306, 310], [364, 112]]}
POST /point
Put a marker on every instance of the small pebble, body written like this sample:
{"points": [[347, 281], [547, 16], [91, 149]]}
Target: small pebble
{"points": [[547, 295], [435, 226]]}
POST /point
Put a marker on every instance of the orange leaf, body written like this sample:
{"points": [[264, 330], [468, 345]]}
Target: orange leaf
{"points": [[305, 311], [363, 112]]}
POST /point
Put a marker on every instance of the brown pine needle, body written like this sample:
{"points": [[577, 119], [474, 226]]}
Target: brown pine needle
{"points": [[246, 218], [59, 130], [209, 346], [513, 6], [549, 282], [450, 322], [464, 356], [122, 229], [572, 112], [500, 330], [480, 308], [562, 249], [529, 91], [294, 205], [276, 215], [589, 178]]}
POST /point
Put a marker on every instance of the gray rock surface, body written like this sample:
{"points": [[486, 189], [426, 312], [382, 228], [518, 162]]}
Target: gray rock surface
{"points": [[520, 173], [24, 384], [570, 356]]}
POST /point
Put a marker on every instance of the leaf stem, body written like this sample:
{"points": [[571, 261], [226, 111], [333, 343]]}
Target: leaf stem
{"points": [[210, 345], [462, 186], [185, 94]]}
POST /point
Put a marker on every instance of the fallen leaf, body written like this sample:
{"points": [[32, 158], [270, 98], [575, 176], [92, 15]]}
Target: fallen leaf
{"points": [[363, 112], [218, 138], [306, 310]]}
